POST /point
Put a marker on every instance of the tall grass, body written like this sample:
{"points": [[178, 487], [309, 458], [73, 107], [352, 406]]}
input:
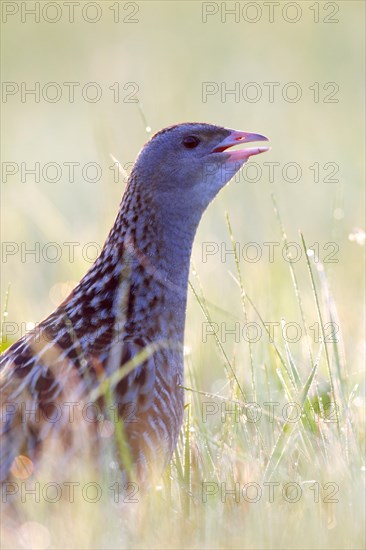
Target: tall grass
{"points": [[272, 460]]}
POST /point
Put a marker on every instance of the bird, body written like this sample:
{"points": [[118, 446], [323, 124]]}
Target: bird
{"points": [[127, 311]]}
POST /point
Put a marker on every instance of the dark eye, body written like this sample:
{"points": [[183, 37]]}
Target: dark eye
{"points": [[191, 142]]}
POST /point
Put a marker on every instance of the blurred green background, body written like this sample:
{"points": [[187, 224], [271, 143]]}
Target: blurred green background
{"points": [[163, 53], [169, 53]]}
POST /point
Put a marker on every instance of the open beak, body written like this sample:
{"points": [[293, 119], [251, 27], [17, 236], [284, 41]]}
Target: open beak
{"points": [[236, 138]]}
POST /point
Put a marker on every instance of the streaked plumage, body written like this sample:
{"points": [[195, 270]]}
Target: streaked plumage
{"points": [[134, 296]]}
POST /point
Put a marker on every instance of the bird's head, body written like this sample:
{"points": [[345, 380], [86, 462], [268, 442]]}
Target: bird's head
{"points": [[186, 165]]}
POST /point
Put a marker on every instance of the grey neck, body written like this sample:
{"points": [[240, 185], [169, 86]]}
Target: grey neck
{"points": [[166, 244], [160, 244]]}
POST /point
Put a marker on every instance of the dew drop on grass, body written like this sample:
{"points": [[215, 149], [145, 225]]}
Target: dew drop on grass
{"points": [[186, 350], [34, 535], [358, 236]]}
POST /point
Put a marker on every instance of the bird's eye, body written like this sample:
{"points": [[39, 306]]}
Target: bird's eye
{"points": [[191, 142]]}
